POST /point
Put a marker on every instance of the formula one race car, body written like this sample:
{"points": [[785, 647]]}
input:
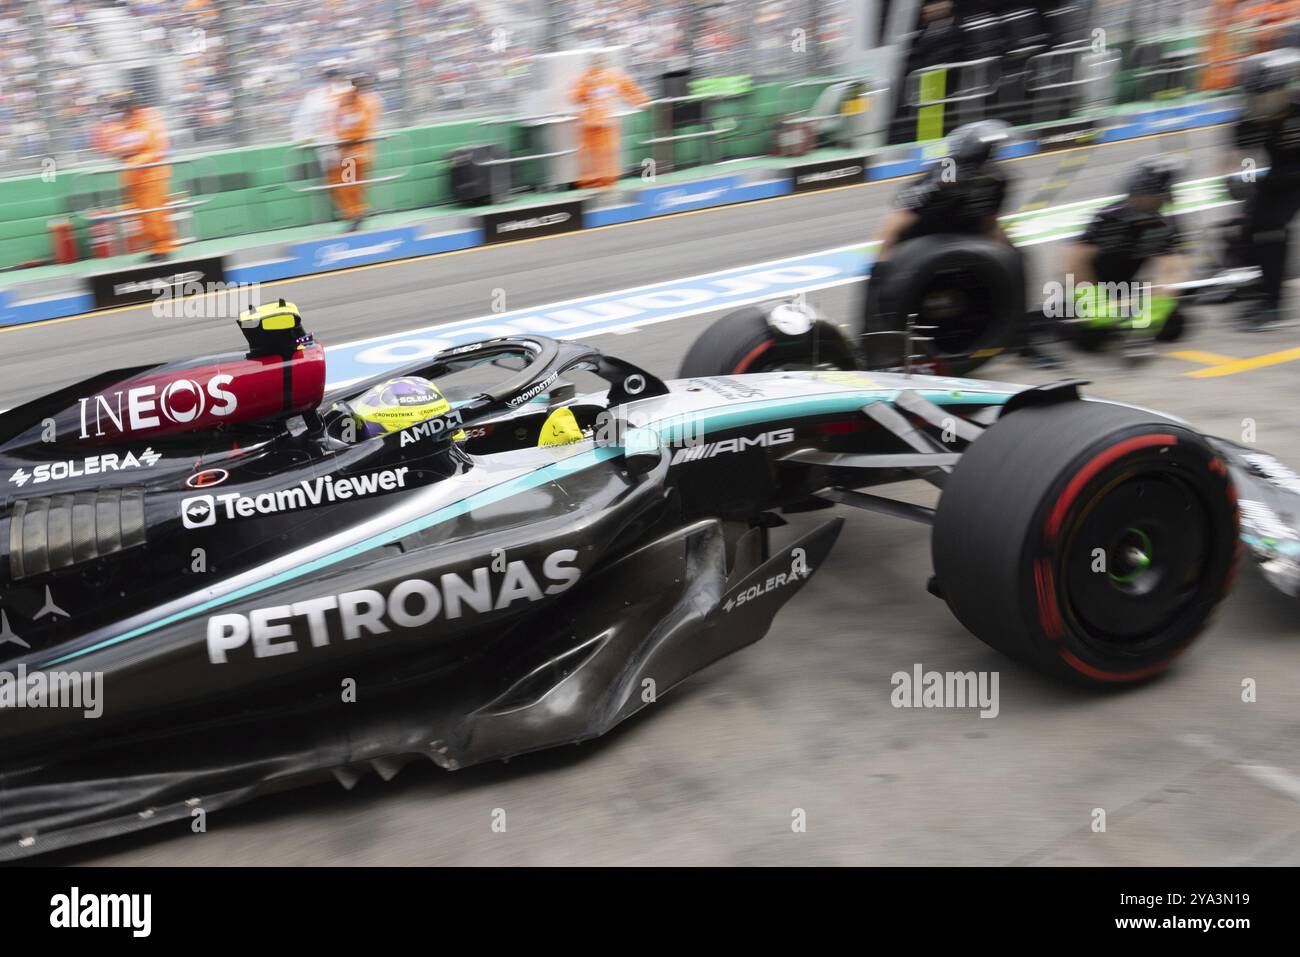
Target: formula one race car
{"points": [[244, 597]]}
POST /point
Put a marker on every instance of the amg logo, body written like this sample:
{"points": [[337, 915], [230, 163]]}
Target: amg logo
{"points": [[413, 604], [740, 444]]}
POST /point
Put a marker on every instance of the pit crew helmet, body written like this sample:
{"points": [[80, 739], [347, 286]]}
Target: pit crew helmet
{"points": [[1266, 78], [973, 145], [1154, 176], [1271, 70]]}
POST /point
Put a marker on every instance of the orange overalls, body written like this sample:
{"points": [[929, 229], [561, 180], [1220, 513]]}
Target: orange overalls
{"points": [[140, 139], [355, 121], [1271, 17], [1221, 72], [597, 94]]}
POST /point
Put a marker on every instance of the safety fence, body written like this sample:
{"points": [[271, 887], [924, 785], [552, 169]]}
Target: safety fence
{"points": [[232, 72]]}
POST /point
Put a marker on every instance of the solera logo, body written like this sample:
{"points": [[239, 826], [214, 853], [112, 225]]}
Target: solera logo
{"points": [[147, 407]]}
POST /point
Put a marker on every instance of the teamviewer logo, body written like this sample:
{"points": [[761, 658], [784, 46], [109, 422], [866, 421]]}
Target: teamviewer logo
{"points": [[198, 511]]}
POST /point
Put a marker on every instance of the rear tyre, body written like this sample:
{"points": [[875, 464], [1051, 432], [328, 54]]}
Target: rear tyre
{"points": [[1092, 541], [745, 341]]}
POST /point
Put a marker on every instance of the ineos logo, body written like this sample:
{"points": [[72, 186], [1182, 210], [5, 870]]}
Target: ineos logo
{"points": [[180, 402]]}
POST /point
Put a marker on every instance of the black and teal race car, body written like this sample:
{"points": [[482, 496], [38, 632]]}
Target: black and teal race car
{"points": [[209, 591]]}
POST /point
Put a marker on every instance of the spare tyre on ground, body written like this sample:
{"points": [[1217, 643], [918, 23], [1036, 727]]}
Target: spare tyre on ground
{"points": [[966, 292]]}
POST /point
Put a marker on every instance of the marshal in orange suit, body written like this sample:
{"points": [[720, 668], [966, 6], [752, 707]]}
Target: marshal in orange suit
{"points": [[355, 121], [139, 139], [597, 94]]}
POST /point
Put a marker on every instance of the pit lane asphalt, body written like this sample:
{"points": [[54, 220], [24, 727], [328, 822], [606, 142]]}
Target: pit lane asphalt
{"points": [[1186, 772]]}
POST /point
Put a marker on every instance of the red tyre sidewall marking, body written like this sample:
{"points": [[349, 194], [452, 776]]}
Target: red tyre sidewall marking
{"points": [[1099, 462], [1109, 676], [754, 353], [1049, 612]]}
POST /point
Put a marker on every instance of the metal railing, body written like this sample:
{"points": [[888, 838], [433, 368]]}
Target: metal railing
{"points": [[549, 180], [329, 153], [827, 114], [986, 73], [664, 135], [1070, 77], [98, 202]]}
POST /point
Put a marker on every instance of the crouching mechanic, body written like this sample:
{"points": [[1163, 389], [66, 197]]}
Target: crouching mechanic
{"points": [[963, 194], [1268, 135], [1124, 239]]}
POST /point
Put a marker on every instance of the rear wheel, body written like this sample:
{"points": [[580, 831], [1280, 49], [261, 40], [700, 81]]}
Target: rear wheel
{"points": [[1092, 541], [747, 341]]}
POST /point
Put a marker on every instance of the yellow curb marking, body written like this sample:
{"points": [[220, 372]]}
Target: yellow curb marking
{"points": [[1228, 365]]}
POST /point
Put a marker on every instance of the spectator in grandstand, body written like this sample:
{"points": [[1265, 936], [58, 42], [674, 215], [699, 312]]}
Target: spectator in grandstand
{"points": [[597, 94], [138, 139], [355, 123], [313, 121]]}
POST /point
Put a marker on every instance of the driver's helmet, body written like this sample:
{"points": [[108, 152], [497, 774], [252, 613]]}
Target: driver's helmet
{"points": [[1265, 78], [396, 404], [973, 145], [1154, 176]]}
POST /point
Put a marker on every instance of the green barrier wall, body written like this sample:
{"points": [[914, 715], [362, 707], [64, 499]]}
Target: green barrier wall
{"points": [[250, 190]]}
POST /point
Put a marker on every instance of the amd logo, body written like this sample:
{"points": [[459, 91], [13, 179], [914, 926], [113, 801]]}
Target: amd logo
{"points": [[147, 407]]}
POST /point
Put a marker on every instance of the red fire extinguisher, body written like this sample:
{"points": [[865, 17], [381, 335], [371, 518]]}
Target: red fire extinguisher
{"points": [[62, 241]]}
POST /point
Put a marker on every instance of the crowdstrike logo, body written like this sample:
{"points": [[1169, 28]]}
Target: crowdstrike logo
{"points": [[78, 468], [532, 391], [202, 511]]}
